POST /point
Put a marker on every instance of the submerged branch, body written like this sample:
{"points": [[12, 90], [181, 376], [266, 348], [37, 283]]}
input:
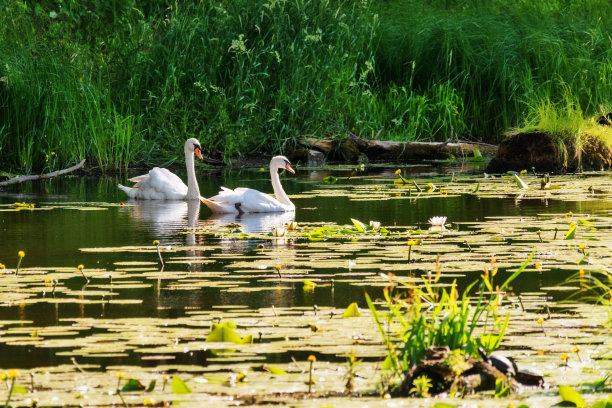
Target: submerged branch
{"points": [[56, 173]]}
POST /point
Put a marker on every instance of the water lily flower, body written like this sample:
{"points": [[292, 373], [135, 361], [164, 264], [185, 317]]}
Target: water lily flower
{"points": [[437, 224], [375, 225], [279, 232], [292, 226]]}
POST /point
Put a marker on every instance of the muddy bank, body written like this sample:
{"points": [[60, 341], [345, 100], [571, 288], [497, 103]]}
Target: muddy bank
{"points": [[540, 151]]}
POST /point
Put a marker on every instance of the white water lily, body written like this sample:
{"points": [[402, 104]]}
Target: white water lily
{"points": [[375, 225], [279, 232], [292, 226], [437, 224]]}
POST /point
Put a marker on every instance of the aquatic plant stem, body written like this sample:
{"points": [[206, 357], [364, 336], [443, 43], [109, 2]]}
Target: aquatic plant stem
{"points": [[156, 243], [20, 256], [8, 399], [121, 396]]}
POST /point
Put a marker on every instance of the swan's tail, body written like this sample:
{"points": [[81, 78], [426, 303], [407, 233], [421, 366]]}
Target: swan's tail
{"points": [[219, 208], [127, 190]]}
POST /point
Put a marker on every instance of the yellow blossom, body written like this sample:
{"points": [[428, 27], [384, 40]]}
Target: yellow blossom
{"points": [[278, 267], [80, 266], [149, 402], [564, 356], [2, 266], [540, 320], [156, 242], [398, 171], [312, 358], [120, 374], [540, 352], [21, 254], [13, 373], [576, 349]]}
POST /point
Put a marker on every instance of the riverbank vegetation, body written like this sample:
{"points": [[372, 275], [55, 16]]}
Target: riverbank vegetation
{"points": [[123, 83]]}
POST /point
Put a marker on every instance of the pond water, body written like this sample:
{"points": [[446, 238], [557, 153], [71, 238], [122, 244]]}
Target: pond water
{"points": [[49, 316]]}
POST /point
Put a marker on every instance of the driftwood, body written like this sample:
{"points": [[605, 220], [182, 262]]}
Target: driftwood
{"points": [[353, 148], [56, 173]]}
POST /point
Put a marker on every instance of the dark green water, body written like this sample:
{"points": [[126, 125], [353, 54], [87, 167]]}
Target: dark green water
{"points": [[52, 238]]}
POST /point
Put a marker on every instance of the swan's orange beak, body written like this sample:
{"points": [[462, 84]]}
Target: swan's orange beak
{"points": [[198, 152], [289, 169]]}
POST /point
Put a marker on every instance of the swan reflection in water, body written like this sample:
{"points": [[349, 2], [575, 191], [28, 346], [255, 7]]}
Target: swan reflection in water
{"points": [[251, 222], [167, 219]]}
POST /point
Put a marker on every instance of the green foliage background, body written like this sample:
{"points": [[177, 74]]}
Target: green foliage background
{"points": [[124, 82]]}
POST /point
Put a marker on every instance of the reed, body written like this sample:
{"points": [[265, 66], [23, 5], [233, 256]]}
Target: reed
{"points": [[126, 82]]}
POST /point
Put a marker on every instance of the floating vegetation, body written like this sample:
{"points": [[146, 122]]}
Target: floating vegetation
{"points": [[237, 311]]}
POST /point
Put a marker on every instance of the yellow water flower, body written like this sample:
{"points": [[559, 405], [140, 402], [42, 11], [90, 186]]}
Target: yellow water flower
{"points": [[149, 402], [564, 357], [411, 242], [398, 171], [312, 358], [576, 349], [13, 373], [80, 266], [540, 352], [156, 242], [3, 376], [278, 267], [2, 266], [120, 374], [21, 254], [540, 320]]}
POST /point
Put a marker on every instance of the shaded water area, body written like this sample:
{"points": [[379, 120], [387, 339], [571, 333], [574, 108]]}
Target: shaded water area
{"points": [[132, 314]]}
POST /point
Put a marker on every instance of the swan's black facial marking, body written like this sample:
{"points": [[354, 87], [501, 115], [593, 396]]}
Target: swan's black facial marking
{"points": [[288, 167]]}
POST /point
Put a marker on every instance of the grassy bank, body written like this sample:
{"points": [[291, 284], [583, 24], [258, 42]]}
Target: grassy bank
{"points": [[127, 82]]}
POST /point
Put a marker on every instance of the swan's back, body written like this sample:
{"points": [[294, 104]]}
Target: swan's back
{"points": [[158, 184]]}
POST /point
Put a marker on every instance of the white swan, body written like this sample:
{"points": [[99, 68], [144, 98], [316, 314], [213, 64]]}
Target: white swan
{"points": [[162, 184], [247, 200]]}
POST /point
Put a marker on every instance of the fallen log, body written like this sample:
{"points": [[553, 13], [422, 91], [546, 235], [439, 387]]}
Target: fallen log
{"points": [[354, 148], [56, 173]]}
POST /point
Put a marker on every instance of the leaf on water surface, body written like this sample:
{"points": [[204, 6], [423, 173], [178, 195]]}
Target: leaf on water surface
{"points": [[270, 369], [571, 234], [568, 394], [151, 386], [330, 180], [19, 390], [520, 183], [179, 386], [361, 227], [352, 311], [444, 405], [224, 333], [133, 384]]}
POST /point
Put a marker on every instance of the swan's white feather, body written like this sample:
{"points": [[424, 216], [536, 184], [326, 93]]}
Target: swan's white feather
{"points": [[246, 200], [158, 184]]}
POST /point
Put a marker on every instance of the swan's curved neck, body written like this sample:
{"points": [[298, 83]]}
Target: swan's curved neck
{"points": [[280, 194], [193, 191]]}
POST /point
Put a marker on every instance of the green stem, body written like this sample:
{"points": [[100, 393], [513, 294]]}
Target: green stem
{"points": [[8, 399]]}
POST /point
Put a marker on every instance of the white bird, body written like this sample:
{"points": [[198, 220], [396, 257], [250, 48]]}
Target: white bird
{"points": [[162, 184], [247, 200]]}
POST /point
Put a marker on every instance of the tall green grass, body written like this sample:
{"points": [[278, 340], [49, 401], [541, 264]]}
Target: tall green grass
{"points": [[127, 82]]}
